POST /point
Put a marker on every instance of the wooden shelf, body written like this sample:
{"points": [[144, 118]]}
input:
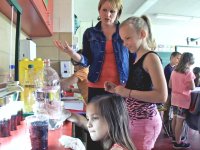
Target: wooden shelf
{"points": [[36, 18]]}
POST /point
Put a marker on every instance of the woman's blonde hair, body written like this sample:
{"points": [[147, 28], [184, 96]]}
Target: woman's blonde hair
{"points": [[116, 4], [142, 23]]}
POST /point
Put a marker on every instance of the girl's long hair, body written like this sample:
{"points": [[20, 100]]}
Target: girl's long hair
{"points": [[113, 108], [184, 62]]}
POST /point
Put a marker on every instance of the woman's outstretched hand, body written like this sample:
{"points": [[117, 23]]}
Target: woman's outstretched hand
{"points": [[64, 47]]}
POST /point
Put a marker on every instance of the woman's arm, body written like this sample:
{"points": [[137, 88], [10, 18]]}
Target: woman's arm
{"points": [[65, 83], [75, 90], [191, 85], [64, 47]]}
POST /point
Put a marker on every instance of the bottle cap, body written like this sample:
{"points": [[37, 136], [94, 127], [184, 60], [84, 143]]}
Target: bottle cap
{"points": [[30, 66], [47, 62], [12, 67]]}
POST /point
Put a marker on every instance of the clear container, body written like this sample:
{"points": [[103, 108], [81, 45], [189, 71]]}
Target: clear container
{"points": [[48, 100], [5, 122]]}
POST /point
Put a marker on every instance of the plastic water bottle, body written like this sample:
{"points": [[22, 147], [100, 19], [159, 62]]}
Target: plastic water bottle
{"points": [[28, 95], [48, 94], [11, 76]]}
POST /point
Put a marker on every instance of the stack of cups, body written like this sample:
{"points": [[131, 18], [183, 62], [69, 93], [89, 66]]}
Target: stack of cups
{"points": [[10, 116], [5, 122]]}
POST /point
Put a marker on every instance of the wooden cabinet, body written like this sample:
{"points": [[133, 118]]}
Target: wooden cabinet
{"points": [[63, 16], [45, 11], [36, 18]]}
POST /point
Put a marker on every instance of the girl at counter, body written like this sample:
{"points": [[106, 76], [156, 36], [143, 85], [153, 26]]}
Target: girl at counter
{"points": [[181, 82], [107, 121], [80, 78], [146, 84]]}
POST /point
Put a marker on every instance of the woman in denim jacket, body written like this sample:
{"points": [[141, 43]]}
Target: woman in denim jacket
{"points": [[103, 50]]}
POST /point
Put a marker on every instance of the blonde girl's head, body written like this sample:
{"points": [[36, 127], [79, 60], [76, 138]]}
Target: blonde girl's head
{"points": [[185, 62], [142, 26], [116, 4]]}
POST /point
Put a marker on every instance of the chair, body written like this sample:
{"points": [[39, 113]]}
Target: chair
{"points": [[161, 110]]}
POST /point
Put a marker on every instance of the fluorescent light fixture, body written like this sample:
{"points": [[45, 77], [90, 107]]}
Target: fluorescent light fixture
{"points": [[195, 19], [144, 7], [177, 17]]}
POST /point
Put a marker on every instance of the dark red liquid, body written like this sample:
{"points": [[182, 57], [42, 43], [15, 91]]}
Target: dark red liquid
{"points": [[13, 122], [5, 128], [39, 135]]}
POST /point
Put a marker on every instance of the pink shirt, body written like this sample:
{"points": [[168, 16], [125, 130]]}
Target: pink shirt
{"points": [[180, 91]]}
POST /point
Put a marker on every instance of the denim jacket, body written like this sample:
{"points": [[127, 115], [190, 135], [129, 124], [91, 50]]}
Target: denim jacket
{"points": [[94, 42]]}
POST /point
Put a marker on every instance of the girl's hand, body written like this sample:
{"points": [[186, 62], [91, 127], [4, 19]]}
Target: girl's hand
{"points": [[113, 88], [64, 47], [64, 84], [122, 91], [109, 86]]}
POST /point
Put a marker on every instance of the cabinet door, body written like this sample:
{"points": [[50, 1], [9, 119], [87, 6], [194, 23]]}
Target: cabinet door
{"points": [[45, 10]]}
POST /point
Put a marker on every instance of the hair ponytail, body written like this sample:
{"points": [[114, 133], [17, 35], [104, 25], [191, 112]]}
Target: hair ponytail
{"points": [[150, 40]]}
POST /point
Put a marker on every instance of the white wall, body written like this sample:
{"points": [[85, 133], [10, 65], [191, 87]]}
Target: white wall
{"points": [[83, 26], [63, 16], [176, 34], [7, 54], [164, 34]]}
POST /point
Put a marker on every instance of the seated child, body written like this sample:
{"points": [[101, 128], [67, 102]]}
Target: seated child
{"points": [[107, 121], [80, 78]]}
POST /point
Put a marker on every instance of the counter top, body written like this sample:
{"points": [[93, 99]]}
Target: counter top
{"points": [[20, 141]]}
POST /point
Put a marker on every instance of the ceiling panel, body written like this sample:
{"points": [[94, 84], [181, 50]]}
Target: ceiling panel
{"points": [[86, 10], [177, 7]]}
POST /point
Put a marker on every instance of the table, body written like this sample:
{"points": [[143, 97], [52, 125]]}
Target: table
{"points": [[193, 115], [19, 140], [195, 101]]}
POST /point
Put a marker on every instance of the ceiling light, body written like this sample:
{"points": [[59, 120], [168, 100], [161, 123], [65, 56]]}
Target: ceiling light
{"points": [[177, 17], [195, 19], [173, 17]]}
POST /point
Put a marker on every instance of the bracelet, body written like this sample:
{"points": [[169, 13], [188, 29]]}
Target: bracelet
{"points": [[129, 95]]}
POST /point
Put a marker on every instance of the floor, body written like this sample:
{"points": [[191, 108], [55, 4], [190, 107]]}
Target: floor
{"points": [[164, 143]]}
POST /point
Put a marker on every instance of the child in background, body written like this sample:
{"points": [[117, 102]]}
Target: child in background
{"points": [[107, 121], [146, 84], [181, 82], [80, 78], [196, 72], [174, 59]]}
